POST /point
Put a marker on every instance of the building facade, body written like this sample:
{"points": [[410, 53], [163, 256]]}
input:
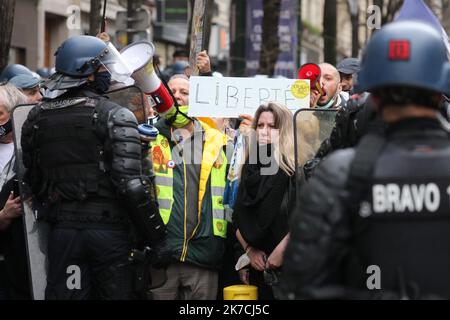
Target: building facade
{"points": [[40, 26]]}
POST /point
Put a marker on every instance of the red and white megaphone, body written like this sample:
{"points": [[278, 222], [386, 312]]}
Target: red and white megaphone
{"points": [[311, 72], [139, 56]]}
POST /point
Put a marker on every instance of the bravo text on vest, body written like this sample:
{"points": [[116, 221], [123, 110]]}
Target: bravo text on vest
{"points": [[392, 197]]}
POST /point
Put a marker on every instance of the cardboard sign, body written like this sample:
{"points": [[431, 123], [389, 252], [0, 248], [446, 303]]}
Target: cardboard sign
{"points": [[229, 97]]}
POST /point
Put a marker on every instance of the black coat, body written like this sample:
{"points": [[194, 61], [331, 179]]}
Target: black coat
{"points": [[258, 210], [12, 243]]}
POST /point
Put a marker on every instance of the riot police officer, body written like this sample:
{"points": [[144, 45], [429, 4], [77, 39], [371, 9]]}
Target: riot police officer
{"points": [[352, 122], [82, 153], [373, 221]]}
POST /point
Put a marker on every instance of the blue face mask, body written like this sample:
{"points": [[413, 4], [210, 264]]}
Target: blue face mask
{"points": [[101, 82]]}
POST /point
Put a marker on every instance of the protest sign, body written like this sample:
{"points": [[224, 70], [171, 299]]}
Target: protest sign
{"points": [[229, 97]]}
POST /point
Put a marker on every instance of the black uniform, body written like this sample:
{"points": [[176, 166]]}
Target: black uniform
{"points": [[83, 159], [373, 222]]}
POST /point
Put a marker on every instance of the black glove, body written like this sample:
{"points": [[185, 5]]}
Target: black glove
{"points": [[310, 166], [162, 255]]}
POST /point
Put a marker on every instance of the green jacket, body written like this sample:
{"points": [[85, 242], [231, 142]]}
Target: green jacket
{"points": [[195, 236]]}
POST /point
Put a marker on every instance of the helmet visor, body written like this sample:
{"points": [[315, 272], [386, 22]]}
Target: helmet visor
{"points": [[111, 59]]}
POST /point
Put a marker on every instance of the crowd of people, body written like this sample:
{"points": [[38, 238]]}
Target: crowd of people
{"points": [[370, 194]]}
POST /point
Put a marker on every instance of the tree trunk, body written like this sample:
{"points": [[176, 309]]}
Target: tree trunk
{"points": [[299, 34], [270, 45], [95, 17], [7, 19], [209, 13], [188, 39], [388, 9], [237, 38], [392, 8], [378, 3], [353, 9], [131, 14], [330, 30], [355, 35]]}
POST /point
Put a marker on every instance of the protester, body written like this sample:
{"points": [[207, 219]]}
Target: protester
{"points": [[190, 168], [13, 263], [348, 68], [260, 213], [9, 97], [330, 82], [180, 60], [29, 85], [204, 64]]}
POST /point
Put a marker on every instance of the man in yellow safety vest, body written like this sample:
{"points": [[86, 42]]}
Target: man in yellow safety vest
{"points": [[190, 167]]}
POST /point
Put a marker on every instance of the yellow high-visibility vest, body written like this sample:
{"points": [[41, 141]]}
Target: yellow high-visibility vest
{"points": [[214, 165]]}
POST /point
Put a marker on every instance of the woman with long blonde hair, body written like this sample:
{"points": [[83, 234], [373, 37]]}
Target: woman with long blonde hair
{"points": [[260, 213], [283, 134]]}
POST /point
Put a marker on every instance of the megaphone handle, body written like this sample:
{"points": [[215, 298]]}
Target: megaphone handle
{"points": [[318, 87], [164, 82]]}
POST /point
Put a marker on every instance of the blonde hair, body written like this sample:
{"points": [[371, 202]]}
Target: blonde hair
{"points": [[283, 122], [10, 97]]}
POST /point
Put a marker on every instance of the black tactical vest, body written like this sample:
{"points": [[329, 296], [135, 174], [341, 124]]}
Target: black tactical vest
{"points": [[403, 226], [71, 157]]}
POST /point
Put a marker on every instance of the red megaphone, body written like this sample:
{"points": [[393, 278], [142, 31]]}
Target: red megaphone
{"points": [[311, 72]]}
